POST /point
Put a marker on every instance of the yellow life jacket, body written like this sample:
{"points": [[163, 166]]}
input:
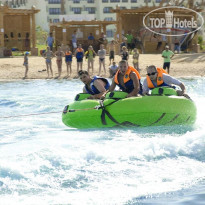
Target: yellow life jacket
{"points": [[160, 81]]}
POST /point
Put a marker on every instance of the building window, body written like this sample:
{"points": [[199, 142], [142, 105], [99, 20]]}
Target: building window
{"points": [[91, 10], [107, 9], [56, 20], [109, 34], [133, 1], [124, 0], [113, 1], [54, 11], [54, 1], [147, 1], [134, 7], [104, 1], [158, 1], [123, 7], [76, 1], [108, 19], [91, 1], [76, 10]]}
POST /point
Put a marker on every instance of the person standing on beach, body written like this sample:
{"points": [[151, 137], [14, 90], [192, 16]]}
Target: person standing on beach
{"points": [[90, 55], [124, 54], [48, 55], [50, 41], [74, 40], [124, 43], [136, 59], [159, 42], [129, 37], [176, 45], [79, 54], [101, 54], [112, 51], [25, 63], [91, 39], [167, 55], [59, 56], [68, 60]]}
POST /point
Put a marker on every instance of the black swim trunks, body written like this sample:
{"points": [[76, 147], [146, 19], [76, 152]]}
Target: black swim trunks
{"points": [[112, 55]]}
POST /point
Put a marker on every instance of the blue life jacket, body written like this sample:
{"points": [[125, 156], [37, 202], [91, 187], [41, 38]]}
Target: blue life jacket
{"points": [[94, 90], [79, 53], [68, 56], [129, 87]]}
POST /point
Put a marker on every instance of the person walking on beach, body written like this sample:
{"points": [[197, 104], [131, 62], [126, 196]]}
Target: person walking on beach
{"points": [[68, 61], [101, 54], [128, 80], [50, 41], [95, 86], [157, 77], [124, 54], [167, 55], [59, 56], [79, 54], [90, 55], [25, 63], [48, 55], [136, 59]]}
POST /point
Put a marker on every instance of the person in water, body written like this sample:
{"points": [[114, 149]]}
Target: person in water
{"points": [[128, 79], [158, 77], [95, 86]]}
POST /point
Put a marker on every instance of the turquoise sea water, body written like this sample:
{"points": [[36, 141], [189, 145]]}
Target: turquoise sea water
{"points": [[44, 162]]}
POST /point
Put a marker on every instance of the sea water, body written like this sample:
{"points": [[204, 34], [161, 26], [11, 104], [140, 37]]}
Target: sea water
{"points": [[44, 162]]}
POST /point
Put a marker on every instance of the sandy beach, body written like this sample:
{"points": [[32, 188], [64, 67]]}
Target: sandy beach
{"points": [[182, 65]]}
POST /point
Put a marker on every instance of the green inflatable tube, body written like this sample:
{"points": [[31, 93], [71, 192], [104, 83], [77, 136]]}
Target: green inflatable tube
{"points": [[162, 107]]}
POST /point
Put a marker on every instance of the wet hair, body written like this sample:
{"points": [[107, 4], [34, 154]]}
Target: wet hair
{"points": [[123, 62], [152, 67], [81, 72]]}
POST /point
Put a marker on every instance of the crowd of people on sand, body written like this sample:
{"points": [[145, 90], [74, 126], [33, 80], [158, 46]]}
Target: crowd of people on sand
{"points": [[123, 75]]}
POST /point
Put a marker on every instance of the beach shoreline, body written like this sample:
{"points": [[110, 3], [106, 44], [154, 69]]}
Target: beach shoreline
{"points": [[182, 65]]}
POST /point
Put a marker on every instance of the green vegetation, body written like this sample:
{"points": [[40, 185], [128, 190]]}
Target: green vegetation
{"points": [[201, 43], [41, 36]]}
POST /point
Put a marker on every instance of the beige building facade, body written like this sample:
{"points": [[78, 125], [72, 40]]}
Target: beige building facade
{"points": [[55, 10]]}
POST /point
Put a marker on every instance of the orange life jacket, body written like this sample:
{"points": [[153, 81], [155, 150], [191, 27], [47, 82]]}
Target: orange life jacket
{"points": [[68, 53], [79, 50], [160, 81], [127, 75]]}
